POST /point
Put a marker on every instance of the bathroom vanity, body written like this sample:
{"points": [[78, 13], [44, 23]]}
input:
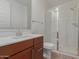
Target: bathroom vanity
{"points": [[28, 48]]}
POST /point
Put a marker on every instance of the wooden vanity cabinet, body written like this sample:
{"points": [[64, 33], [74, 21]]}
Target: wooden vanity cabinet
{"points": [[38, 48], [29, 49]]}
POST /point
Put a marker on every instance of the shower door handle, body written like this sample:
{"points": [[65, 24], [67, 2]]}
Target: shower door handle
{"points": [[57, 40], [57, 35]]}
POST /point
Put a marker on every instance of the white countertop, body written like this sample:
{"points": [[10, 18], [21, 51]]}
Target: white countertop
{"points": [[13, 39]]}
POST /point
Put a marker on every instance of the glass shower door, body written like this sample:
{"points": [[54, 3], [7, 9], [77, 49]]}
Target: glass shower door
{"points": [[68, 31]]}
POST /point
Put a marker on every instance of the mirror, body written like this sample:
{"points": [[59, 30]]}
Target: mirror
{"points": [[15, 14]]}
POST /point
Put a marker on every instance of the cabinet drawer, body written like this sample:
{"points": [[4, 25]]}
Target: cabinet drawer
{"points": [[15, 48], [27, 54], [38, 40]]}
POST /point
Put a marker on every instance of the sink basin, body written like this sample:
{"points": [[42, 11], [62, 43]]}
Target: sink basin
{"points": [[19, 37]]}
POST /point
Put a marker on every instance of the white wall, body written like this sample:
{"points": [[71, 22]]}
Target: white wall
{"points": [[38, 16], [29, 13]]}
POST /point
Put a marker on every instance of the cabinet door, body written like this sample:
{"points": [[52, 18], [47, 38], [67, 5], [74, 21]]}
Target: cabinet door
{"points": [[39, 52], [27, 54]]}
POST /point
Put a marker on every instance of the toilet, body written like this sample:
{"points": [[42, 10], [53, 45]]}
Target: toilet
{"points": [[48, 50]]}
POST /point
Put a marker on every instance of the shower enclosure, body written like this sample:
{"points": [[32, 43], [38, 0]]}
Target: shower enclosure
{"points": [[64, 27], [68, 28]]}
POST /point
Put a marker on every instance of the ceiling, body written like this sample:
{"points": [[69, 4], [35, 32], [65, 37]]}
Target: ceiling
{"points": [[22, 1], [53, 3]]}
